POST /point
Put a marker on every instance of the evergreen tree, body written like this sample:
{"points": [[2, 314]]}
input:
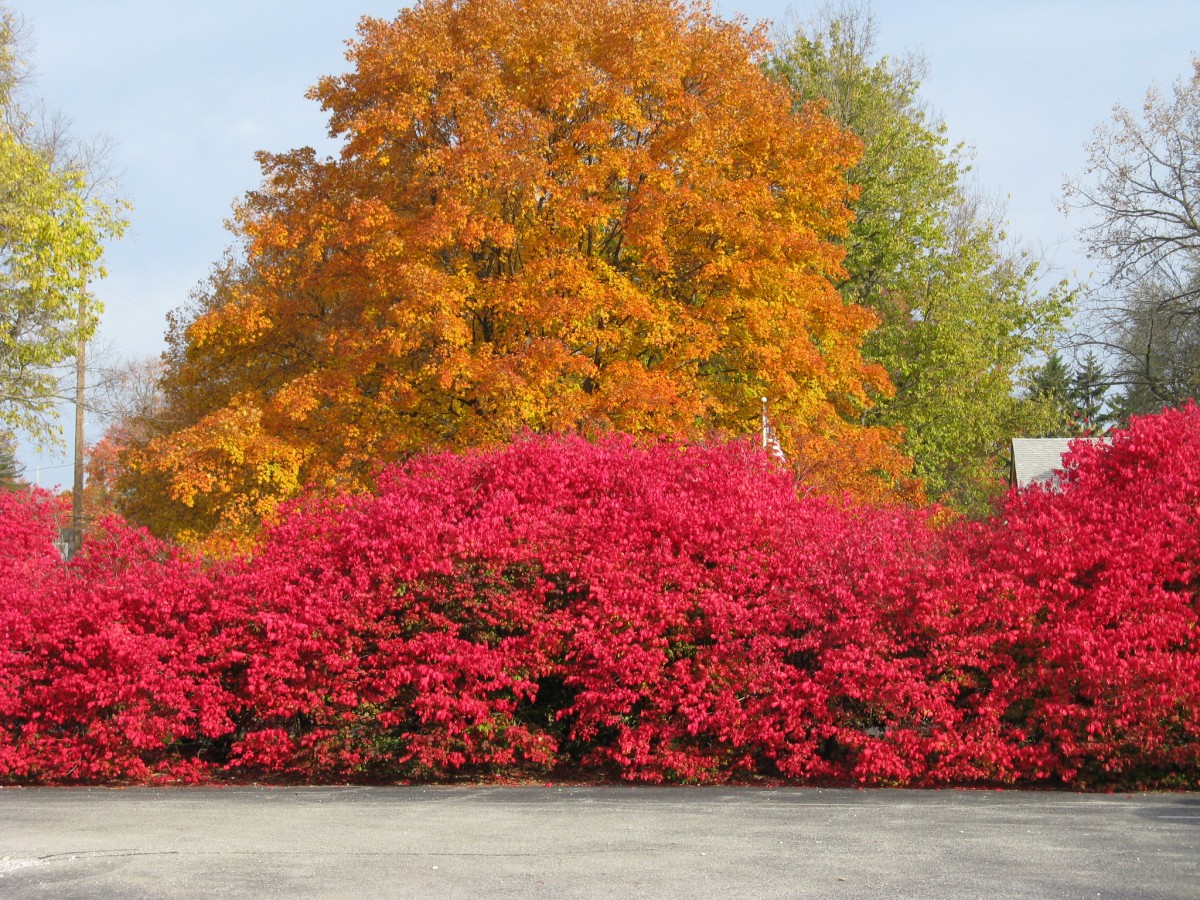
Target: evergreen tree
{"points": [[11, 469], [1089, 396], [1051, 383]]}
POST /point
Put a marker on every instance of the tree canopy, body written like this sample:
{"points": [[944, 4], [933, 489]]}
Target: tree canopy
{"points": [[1077, 394], [10, 467], [52, 234], [605, 220], [960, 309], [1141, 193]]}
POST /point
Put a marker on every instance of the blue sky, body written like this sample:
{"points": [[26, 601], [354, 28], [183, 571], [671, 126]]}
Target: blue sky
{"points": [[188, 91]]}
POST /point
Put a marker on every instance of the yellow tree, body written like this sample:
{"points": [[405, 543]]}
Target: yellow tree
{"points": [[545, 216], [53, 228]]}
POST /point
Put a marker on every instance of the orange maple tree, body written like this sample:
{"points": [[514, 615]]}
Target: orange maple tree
{"points": [[545, 216]]}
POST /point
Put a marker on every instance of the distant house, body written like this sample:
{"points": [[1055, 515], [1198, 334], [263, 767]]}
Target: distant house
{"points": [[1037, 459]]}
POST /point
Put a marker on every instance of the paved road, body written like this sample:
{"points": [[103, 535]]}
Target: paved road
{"points": [[594, 842]]}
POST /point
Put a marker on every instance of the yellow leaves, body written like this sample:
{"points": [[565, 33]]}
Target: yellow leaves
{"points": [[863, 462], [299, 398], [235, 324], [228, 464]]}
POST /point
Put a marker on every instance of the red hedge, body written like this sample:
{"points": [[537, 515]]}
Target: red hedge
{"points": [[112, 668], [1080, 613], [653, 612]]}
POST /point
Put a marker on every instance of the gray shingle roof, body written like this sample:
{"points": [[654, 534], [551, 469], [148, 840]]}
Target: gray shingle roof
{"points": [[1037, 459]]}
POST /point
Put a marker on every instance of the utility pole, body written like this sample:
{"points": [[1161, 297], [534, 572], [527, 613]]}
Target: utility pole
{"points": [[77, 491], [75, 541]]}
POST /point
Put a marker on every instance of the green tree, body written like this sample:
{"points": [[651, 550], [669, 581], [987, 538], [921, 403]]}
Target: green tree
{"points": [[52, 232], [1051, 383], [1089, 396], [1078, 396], [1152, 330], [10, 468], [961, 311]]}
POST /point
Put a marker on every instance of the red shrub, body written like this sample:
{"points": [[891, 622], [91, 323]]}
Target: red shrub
{"points": [[111, 667], [657, 612], [1076, 637], [392, 635], [28, 528], [29, 564], [661, 611]]}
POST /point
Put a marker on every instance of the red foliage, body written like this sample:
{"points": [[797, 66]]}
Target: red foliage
{"points": [[112, 669], [1076, 633], [28, 526], [650, 611], [28, 561]]}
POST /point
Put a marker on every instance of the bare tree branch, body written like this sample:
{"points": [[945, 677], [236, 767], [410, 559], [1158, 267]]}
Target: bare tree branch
{"points": [[1141, 190]]}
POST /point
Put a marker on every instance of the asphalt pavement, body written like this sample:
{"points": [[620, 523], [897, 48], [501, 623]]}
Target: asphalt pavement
{"points": [[594, 842]]}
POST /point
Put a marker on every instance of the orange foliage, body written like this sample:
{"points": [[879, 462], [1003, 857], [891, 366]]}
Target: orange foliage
{"points": [[863, 462], [103, 469], [549, 216]]}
